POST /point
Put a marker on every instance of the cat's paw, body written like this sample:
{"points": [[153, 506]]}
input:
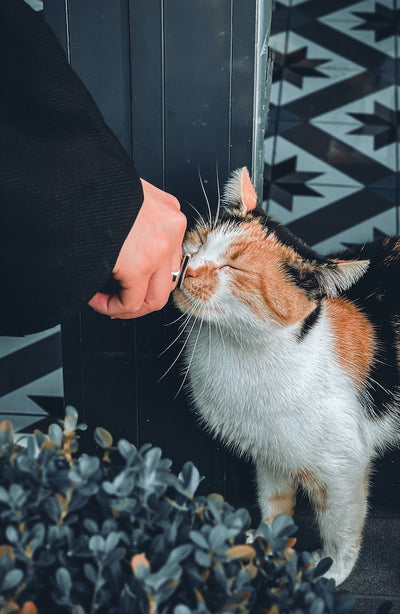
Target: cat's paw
{"points": [[340, 568]]}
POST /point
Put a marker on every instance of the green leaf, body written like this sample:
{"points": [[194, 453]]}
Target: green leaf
{"points": [[71, 411], [190, 478], [151, 459], [90, 573], [111, 541], [283, 526], [96, 543], [323, 566], [70, 420], [202, 558], [103, 438], [12, 534], [56, 434], [219, 535], [17, 495], [126, 449], [91, 525], [11, 580], [180, 553], [64, 581], [4, 496], [198, 539], [240, 519], [264, 531], [39, 437], [318, 606], [88, 465], [53, 509]]}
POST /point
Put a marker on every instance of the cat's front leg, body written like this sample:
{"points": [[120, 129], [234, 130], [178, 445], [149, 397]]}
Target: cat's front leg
{"points": [[276, 493], [340, 503]]}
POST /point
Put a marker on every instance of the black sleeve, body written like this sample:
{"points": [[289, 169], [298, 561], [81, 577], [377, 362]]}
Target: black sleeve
{"points": [[69, 193]]}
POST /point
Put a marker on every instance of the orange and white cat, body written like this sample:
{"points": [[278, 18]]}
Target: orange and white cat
{"points": [[293, 360]]}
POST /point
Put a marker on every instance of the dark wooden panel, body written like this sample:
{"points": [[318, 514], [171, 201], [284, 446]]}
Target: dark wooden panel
{"points": [[176, 83], [99, 49], [56, 15], [147, 82]]}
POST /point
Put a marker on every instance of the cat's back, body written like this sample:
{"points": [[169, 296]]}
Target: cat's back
{"points": [[377, 296], [378, 291]]}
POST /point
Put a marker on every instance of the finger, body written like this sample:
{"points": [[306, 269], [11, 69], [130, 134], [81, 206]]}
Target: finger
{"points": [[176, 268], [151, 191], [158, 293], [123, 304], [99, 302]]}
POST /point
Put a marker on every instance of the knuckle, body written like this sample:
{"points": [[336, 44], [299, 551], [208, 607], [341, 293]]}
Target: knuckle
{"points": [[182, 222], [174, 202]]}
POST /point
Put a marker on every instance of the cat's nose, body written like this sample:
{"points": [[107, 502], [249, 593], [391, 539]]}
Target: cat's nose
{"points": [[191, 272]]}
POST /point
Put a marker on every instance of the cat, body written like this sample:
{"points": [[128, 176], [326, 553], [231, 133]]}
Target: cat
{"points": [[293, 360]]}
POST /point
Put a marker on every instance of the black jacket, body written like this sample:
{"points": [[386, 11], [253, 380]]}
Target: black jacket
{"points": [[68, 191]]}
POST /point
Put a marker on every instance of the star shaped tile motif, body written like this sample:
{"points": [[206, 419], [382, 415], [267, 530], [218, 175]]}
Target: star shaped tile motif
{"points": [[283, 182], [295, 66], [384, 21], [383, 125]]}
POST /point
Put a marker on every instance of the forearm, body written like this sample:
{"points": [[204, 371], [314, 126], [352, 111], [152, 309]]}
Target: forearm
{"points": [[68, 192]]}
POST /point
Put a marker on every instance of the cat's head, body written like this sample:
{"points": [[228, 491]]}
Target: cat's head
{"points": [[245, 266]]}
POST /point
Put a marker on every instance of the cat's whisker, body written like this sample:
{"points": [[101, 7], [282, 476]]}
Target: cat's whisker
{"points": [[200, 218], [183, 315], [206, 198], [191, 359], [221, 334], [219, 198], [181, 331], [228, 323], [209, 336], [179, 353], [374, 381]]}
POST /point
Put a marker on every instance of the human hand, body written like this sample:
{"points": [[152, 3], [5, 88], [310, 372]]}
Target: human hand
{"points": [[151, 251]]}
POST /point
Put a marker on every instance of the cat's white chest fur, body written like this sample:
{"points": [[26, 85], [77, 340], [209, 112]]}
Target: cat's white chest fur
{"points": [[272, 396]]}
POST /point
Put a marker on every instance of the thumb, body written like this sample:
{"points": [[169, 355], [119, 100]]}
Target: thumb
{"points": [[100, 303]]}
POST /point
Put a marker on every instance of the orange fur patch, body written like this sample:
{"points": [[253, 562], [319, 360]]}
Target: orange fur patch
{"points": [[203, 281], [354, 336], [314, 487], [260, 281], [282, 503]]}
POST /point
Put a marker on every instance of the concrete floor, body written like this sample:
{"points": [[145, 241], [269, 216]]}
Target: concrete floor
{"points": [[376, 576]]}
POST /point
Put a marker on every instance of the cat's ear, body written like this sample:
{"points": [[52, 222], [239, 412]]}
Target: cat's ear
{"points": [[239, 193], [338, 275]]}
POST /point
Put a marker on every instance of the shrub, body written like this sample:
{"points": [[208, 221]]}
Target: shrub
{"points": [[123, 534]]}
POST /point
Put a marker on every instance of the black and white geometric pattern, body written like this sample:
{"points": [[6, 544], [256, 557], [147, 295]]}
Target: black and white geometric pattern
{"points": [[332, 158], [31, 382]]}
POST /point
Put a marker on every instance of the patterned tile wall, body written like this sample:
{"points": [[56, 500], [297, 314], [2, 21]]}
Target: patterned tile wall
{"points": [[31, 383], [332, 145]]}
